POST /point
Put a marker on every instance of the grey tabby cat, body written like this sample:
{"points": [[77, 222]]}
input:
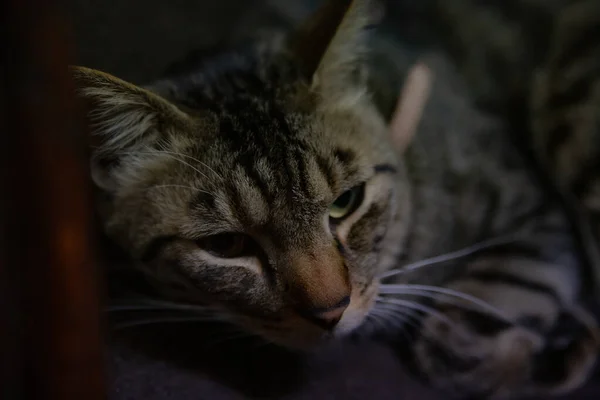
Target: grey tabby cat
{"points": [[272, 186], [537, 62]]}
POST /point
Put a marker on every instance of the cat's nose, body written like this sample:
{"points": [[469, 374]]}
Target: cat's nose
{"points": [[327, 318]]}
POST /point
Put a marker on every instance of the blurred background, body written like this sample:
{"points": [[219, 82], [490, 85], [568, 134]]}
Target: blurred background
{"points": [[137, 39]]}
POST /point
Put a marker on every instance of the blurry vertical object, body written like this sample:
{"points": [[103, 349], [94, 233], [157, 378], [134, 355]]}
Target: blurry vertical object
{"points": [[50, 344]]}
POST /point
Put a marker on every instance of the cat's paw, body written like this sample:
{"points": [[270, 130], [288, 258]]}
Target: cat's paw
{"points": [[458, 358], [570, 353], [470, 355]]}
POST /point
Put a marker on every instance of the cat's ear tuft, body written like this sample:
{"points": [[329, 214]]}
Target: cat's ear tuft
{"points": [[123, 118], [332, 47], [410, 106]]}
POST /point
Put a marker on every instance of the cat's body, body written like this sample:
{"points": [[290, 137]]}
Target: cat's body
{"points": [[536, 64], [265, 184]]}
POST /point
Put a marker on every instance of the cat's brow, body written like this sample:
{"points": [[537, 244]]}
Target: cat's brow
{"points": [[155, 246], [385, 169]]}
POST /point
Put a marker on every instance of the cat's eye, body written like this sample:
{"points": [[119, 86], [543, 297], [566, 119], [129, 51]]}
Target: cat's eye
{"points": [[347, 202], [226, 245]]}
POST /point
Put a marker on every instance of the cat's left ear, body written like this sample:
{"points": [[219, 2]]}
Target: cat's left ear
{"points": [[331, 47], [124, 119]]}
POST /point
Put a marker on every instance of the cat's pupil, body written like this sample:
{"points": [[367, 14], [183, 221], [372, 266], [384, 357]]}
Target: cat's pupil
{"points": [[225, 245], [345, 199]]}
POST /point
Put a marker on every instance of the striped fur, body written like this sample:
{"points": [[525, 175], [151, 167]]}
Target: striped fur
{"points": [[263, 140]]}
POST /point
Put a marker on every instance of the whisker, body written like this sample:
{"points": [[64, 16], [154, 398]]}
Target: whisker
{"points": [[467, 251], [138, 307], [420, 307], [193, 159], [388, 318], [156, 321], [422, 289], [409, 316], [170, 154], [228, 338], [376, 322], [150, 304], [179, 186], [173, 154], [407, 334]]}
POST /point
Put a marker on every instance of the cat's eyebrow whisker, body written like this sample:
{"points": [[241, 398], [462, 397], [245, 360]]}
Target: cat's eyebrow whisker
{"points": [[428, 291], [467, 251], [173, 155], [193, 159], [179, 186]]}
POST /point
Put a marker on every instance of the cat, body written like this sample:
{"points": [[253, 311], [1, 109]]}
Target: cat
{"points": [[535, 62], [279, 186]]}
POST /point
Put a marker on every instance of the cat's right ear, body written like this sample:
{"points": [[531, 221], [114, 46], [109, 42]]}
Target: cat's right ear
{"points": [[123, 119], [331, 48]]}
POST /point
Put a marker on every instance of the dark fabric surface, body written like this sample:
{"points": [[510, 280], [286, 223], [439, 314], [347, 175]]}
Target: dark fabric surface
{"points": [[188, 362]]}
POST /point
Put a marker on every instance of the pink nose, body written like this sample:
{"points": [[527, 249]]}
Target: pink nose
{"points": [[327, 318]]}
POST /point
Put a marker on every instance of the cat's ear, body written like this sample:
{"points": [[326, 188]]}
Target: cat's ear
{"points": [[123, 118], [411, 103], [331, 46]]}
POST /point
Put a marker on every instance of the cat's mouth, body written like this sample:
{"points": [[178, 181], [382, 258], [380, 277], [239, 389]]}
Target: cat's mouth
{"points": [[296, 332], [361, 303]]}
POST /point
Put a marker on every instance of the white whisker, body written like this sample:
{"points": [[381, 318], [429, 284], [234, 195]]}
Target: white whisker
{"points": [[377, 324], [449, 256], [422, 289], [156, 321], [167, 153], [179, 186], [388, 318], [232, 336], [411, 317], [148, 303], [420, 307], [193, 159]]}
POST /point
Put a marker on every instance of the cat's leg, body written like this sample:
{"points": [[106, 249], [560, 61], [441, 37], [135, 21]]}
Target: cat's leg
{"points": [[548, 347]]}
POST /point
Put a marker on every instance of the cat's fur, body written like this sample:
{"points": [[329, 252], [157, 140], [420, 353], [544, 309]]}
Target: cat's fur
{"points": [[536, 63], [263, 141]]}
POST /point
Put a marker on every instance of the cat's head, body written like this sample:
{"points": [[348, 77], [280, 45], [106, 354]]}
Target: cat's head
{"points": [[264, 184]]}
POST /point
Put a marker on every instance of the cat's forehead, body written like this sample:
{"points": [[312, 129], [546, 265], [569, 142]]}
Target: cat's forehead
{"points": [[269, 166]]}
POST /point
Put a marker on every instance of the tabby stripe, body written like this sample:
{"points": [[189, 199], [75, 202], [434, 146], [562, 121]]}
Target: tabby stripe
{"points": [[258, 181], [536, 213], [484, 323], [587, 175], [497, 277], [558, 136], [577, 92], [155, 247], [203, 200], [302, 173], [385, 169], [327, 171], [580, 44]]}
